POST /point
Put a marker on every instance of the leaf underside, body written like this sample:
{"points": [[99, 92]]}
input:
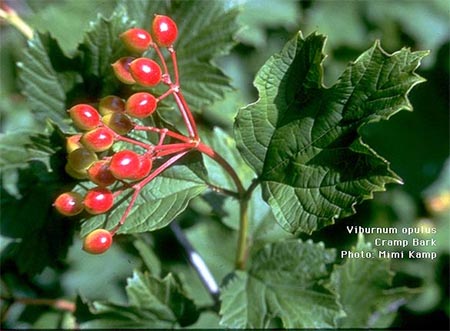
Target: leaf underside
{"points": [[303, 139]]}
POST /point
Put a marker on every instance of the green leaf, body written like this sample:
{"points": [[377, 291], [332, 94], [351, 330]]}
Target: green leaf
{"points": [[152, 302], [158, 203], [100, 48], [303, 139], [67, 21], [41, 238], [41, 84], [36, 162], [205, 31], [142, 11], [430, 16], [282, 282], [364, 289]]}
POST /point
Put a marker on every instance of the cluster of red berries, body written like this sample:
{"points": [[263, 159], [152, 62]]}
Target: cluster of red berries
{"points": [[90, 154]]}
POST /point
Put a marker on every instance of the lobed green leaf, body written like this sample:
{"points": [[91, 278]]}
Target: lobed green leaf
{"points": [[303, 139], [152, 302], [282, 282]]}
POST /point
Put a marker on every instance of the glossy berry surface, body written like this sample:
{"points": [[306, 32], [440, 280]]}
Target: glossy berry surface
{"points": [[98, 200], [97, 242], [69, 203], [111, 104], [98, 140], [81, 158], [145, 72], [122, 70], [145, 166], [141, 105], [136, 40], [118, 122], [124, 164], [100, 174], [164, 30], [85, 117]]}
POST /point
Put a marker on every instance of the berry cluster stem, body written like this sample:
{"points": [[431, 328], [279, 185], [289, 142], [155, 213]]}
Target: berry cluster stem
{"points": [[243, 196]]}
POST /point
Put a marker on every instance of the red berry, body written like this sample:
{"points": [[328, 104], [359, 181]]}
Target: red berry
{"points": [[124, 164], [81, 159], [98, 140], [164, 30], [84, 117], [97, 242], [118, 122], [136, 40], [98, 200], [145, 71], [100, 174], [69, 203], [122, 70], [73, 142], [111, 104], [140, 105], [145, 165]]}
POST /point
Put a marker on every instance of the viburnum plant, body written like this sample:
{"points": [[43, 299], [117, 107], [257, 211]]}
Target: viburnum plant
{"points": [[134, 145], [88, 152]]}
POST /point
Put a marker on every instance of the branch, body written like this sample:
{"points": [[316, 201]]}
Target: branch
{"points": [[197, 262]]}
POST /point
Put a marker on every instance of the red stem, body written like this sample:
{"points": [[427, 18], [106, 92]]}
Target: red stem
{"points": [[163, 61], [139, 186], [173, 56], [186, 114], [228, 168], [135, 142], [167, 131]]}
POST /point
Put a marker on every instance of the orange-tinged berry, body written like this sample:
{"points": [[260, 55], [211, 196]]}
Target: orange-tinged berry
{"points": [[98, 241], [85, 117], [69, 203], [141, 105], [122, 70], [136, 40]]}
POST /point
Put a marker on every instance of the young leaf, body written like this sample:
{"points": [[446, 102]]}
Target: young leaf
{"points": [[364, 289], [282, 282], [153, 302], [303, 139]]}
